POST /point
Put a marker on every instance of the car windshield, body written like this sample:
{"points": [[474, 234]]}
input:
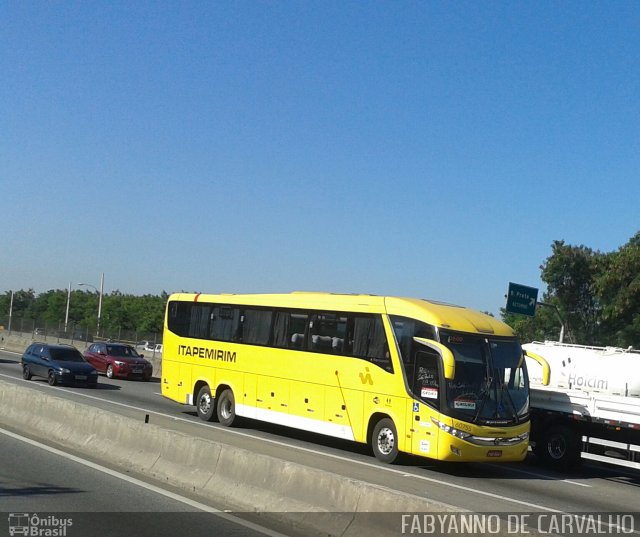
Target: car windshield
{"points": [[121, 350], [490, 383], [66, 355]]}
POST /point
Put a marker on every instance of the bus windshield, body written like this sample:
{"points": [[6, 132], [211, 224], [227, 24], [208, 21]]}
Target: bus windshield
{"points": [[491, 385]]}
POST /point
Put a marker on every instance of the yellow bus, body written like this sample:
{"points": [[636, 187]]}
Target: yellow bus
{"points": [[401, 374]]}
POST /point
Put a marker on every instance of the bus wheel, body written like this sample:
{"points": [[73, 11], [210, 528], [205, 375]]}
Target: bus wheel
{"points": [[384, 441], [205, 404], [560, 448], [226, 408]]}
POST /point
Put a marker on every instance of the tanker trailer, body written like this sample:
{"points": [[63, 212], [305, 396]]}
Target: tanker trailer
{"points": [[591, 407]]}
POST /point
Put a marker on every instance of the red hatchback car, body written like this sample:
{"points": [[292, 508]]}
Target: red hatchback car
{"points": [[118, 360]]}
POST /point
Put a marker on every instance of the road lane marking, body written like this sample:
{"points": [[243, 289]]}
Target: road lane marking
{"points": [[543, 476], [172, 495]]}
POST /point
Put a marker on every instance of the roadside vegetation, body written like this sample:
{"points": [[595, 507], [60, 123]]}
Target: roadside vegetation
{"points": [[597, 295], [119, 311]]}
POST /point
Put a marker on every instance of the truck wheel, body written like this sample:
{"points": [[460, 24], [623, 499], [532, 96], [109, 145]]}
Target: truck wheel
{"points": [[226, 408], [560, 448], [384, 441], [205, 404]]}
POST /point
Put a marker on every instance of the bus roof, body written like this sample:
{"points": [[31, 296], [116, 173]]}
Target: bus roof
{"points": [[429, 311]]}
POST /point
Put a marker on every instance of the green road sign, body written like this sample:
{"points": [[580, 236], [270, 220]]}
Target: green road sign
{"points": [[522, 299]]}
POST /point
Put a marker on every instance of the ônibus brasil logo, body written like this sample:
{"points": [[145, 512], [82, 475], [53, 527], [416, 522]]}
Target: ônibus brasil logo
{"points": [[34, 525]]}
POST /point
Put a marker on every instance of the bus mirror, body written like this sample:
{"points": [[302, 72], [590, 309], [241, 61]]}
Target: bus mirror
{"points": [[546, 369], [448, 361]]}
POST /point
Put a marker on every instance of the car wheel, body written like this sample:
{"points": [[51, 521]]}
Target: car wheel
{"points": [[26, 373], [226, 408], [384, 441], [110, 371], [51, 379], [205, 404]]}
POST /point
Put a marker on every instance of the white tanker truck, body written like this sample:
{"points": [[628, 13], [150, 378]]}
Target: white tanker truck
{"points": [[589, 409]]}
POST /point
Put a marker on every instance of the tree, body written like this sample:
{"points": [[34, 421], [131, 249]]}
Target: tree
{"points": [[22, 302], [541, 327], [618, 288], [570, 273], [120, 312], [598, 295]]}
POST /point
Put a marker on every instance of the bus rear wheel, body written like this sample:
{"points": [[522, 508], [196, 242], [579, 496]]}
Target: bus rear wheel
{"points": [[205, 404], [384, 441], [226, 408]]}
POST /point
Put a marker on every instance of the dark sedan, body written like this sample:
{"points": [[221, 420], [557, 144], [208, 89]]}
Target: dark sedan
{"points": [[118, 360], [59, 364]]}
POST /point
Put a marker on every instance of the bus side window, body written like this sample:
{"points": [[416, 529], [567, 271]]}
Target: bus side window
{"points": [[288, 329], [405, 329], [280, 329], [370, 341], [224, 324], [256, 326], [199, 322], [298, 327], [426, 383], [179, 317], [327, 333]]}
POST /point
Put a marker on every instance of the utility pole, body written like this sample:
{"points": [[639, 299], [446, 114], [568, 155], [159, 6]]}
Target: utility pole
{"points": [[10, 312], [66, 317], [100, 302], [100, 293]]}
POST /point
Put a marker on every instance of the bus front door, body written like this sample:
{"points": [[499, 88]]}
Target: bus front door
{"points": [[425, 385]]}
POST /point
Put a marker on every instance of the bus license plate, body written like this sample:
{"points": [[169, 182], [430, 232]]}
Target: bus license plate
{"points": [[494, 453]]}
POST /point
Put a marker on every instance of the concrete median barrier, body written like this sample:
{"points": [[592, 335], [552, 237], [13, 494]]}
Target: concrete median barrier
{"points": [[235, 478]]}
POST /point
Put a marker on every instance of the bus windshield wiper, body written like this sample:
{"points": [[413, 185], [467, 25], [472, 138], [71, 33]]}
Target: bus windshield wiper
{"points": [[504, 390], [483, 398]]}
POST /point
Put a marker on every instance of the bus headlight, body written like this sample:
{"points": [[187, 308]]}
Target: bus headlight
{"points": [[480, 440], [451, 430]]}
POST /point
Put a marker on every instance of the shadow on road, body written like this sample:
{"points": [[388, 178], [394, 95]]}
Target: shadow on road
{"points": [[100, 386], [36, 490], [107, 387]]}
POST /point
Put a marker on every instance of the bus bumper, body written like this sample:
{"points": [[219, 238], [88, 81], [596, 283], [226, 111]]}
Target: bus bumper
{"points": [[510, 445]]}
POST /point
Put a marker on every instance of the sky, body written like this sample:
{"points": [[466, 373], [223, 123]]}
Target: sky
{"points": [[423, 149]]}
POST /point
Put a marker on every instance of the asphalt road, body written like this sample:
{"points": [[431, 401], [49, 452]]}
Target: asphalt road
{"points": [[43, 487], [521, 487]]}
